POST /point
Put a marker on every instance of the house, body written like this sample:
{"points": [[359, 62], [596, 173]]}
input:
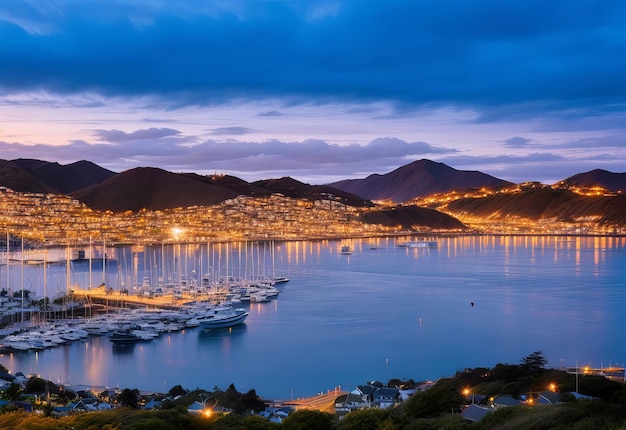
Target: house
{"points": [[7, 377], [350, 402], [475, 412], [406, 393], [366, 392], [20, 378], [85, 405], [548, 398], [196, 407], [152, 404], [275, 414], [504, 400], [425, 386], [386, 397]]}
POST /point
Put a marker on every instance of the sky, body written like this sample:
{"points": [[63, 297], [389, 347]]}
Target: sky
{"points": [[319, 90]]}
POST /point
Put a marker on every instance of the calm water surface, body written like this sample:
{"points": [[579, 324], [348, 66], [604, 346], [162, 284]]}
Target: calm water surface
{"points": [[381, 312]]}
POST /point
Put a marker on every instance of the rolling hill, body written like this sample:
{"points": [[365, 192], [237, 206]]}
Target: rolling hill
{"points": [[65, 179], [417, 179], [14, 177], [558, 204], [151, 189], [613, 182]]}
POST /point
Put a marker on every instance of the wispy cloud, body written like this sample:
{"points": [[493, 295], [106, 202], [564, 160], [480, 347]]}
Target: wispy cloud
{"points": [[233, 131]]}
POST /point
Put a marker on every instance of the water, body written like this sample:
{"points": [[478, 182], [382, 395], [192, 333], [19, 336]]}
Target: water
{"points": [[376, 314]]}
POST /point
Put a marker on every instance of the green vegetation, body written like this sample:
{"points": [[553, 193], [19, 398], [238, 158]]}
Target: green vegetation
{"points": [[436, 408]]}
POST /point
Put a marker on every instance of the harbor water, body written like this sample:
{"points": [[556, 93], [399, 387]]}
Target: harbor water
{"points": [[377, 312]]}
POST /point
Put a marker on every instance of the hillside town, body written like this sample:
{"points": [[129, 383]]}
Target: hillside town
{"points": [[58, 219]]}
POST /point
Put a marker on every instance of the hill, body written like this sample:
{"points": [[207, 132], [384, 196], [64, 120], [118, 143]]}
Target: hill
{"points": [[558, 204], [613, 182], [68, 178], [290, 187], [412, 217], [14, 177], [151, 189], [417, 179]]}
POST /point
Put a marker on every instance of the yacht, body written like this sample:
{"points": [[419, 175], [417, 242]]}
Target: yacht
{"points": [[223, 317]]}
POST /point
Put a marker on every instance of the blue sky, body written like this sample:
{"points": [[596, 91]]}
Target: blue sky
{"points": [[318, 90]]}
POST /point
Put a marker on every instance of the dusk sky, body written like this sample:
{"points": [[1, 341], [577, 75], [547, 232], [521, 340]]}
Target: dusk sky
{"points": [[525, 90]]}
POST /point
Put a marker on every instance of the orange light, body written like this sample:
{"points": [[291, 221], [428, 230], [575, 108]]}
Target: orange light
{"points": [[207, 412], [552, 387]]}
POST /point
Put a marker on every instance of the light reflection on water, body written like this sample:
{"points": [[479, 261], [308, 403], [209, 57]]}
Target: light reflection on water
{"points": [[375, 314]]}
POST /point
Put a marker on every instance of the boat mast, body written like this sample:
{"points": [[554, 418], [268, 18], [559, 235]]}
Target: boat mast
{"points": [[22, 269]]}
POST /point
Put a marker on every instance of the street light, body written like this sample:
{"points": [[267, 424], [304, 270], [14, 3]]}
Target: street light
{"points": [[467, 392], [552, 387]]}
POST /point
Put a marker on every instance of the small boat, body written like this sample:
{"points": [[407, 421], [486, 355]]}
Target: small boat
{"points": [[346, 250], [421, 244]]}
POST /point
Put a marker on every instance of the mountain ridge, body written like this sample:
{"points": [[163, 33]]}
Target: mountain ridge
{"points": [[417, 179], [153, 188]]}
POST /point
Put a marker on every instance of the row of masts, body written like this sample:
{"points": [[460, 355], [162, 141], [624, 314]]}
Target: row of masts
{"points": [[224, 261]]}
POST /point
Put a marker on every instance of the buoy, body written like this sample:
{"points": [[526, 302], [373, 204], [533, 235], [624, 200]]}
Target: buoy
{"points": [[472, 303]]}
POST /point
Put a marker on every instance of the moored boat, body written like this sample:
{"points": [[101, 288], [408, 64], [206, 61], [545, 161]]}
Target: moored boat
{"points": [[421, 244], [120, 337], [224, 317]]}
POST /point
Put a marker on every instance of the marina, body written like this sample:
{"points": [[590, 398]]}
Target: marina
{"points": [[381, 312]]}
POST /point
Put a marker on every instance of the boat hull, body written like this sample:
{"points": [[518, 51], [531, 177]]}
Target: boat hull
{"points": [[220, 321]]}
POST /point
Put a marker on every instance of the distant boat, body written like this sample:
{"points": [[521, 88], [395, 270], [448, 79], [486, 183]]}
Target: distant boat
{"points": [[421, 244], [346, 250]]}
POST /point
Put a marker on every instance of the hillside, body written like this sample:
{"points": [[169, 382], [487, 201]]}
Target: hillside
{"points": [[290, 187], [559, 204], [613, 182], [419, 178], [229, 182], [65, 179], [152, 189], [411, 217], [17, 179]]}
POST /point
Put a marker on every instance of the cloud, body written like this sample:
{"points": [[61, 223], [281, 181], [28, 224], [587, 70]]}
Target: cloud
{"points": [[503, 59], [270, 113], [168, 148], [516, 142], [235, 131], [117, 136]]}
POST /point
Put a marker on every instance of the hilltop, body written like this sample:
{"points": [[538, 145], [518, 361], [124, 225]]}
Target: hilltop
{"points": [[417, 179]]}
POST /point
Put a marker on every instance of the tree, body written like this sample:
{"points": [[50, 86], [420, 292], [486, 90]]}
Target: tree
{"points": [[129, 398], [306, 419], [13, 392], [443, 397], [35, 385], [365, 419], [177, 390], [534, 362]]}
